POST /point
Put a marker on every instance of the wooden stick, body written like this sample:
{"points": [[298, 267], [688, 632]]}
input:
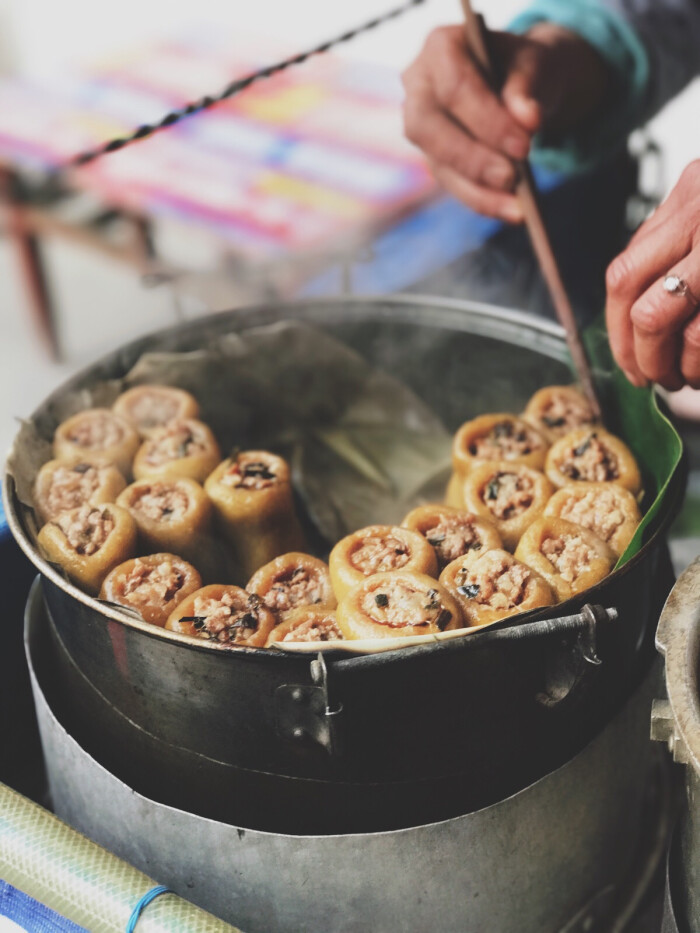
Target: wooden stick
{"points": [[527, 195]]}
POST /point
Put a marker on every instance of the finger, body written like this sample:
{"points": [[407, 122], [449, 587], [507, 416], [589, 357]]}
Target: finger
{"points": [[658, 319], [448, 145], [522, 67], [464, 93], [690, 353], [644, 261], [483, 200]]}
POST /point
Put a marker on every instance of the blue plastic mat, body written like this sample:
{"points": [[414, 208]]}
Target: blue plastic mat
{"points": [[29, 915]]}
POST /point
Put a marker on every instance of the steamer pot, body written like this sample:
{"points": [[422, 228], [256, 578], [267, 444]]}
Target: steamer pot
{"points": [[272, 741], [676, 721], [567, 854]]}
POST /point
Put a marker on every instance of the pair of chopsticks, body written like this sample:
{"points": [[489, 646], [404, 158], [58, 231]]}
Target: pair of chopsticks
{"points": [[541, 244]]}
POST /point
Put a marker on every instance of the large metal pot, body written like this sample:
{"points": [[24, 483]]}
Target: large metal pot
{"points": [[676, 721], [487, 715], [572, 852]]}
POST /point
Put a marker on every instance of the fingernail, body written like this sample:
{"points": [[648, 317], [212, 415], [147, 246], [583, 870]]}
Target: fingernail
{"points": [[639, 381], [499, 176], [512, 213], [516, 146]]}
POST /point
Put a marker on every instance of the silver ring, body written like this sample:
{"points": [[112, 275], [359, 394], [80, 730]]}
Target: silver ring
{"points": [[675, 285]]}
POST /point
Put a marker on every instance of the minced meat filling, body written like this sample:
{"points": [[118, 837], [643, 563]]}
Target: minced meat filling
{"points": [[71, 487], [507, 440], [230, 619], [451, 538], [565, 412], [495, 580], [398, 604], [508, 495], [315, 630], [597, 510], [591, 461], [176, 441], [160, 501], [568, 554], [86, 530], [299, 587], [149, 584], [96, 431], [152, 409], [378, 554], [250, 473]]}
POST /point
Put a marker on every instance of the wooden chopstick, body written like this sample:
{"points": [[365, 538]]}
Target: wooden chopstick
{"points": [[527, 195]]}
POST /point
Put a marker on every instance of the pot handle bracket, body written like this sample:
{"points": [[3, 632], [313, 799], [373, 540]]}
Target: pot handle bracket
{"points": [[569, 662], [303, 711]]}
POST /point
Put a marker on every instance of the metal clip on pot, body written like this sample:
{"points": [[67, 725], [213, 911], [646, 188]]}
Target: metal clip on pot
{"points": [[304, 714]]}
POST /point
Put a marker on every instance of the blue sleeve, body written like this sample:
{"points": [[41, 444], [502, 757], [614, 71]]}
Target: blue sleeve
{"points": [[613, 35]]}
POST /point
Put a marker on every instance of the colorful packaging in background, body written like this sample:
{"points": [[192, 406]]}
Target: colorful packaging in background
{"points": [[298, 161]]}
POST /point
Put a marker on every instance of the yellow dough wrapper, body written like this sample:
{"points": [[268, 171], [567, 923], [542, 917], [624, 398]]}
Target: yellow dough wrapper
{"points": [[150, 407], [593, 455], [570, 558], [182, 448], [509, 495], [88, 542], [96, 434], [60, 487], [494, 586], [223, 614], [378, 549], [252, 496], [153, 585], [397, 604]]}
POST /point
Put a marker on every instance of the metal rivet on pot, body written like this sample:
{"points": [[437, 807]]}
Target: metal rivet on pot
{"points": [[297, 695], [298, 733]]}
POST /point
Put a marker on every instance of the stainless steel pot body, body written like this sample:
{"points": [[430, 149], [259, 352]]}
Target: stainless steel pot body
{"points": [[676, 721], [560, 855], [413, 735]]}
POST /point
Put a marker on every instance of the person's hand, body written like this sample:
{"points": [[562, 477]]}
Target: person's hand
{"points": [[654, 333], [551, 80]]}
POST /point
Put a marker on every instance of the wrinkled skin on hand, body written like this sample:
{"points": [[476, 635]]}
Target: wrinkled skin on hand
{"points": [[552, 80], [654, 335]]}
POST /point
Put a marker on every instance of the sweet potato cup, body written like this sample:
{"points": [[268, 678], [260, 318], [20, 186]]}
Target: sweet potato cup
{"points": [[608, 510], [452, 532], [150, 407], [377, 549], [557, 410], [397, 604], [494, 586], [570, 558], [60, 487], [252, 496], [291, 581], [593, 455], [88, 542], [96, 434], [185, 447], [308, 623], [226, 615], [153, 585], [498, 437], [508, 495]]}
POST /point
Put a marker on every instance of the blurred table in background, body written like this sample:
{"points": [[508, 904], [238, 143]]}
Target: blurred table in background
{"points": [[295, 174]]}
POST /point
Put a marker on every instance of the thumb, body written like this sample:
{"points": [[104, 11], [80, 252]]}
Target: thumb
{"points": [[522, 68]]}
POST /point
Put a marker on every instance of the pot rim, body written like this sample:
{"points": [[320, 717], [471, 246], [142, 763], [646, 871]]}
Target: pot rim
{"points": [[250, 316]]}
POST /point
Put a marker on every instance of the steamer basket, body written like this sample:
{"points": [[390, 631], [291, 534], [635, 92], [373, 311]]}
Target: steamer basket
{"points": [[375, 742], [572, 852], [676, 721]]}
